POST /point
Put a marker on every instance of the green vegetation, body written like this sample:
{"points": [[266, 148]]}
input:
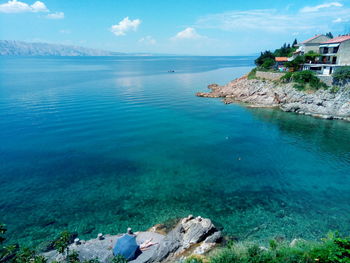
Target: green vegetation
{"points": [[252, 74], [342, 74], [119, 259], [329, 34], [304, 80], [333, 249], [62, 244], [266, 60], [264, 56]]}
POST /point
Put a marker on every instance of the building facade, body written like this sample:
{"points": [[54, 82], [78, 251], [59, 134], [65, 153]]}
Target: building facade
{"points": [[334, 53]]}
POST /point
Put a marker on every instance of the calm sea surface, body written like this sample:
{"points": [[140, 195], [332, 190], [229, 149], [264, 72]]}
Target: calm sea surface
{"points": [[99, 144]]}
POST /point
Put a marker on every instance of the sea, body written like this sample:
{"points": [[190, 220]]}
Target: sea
{"points": [[98, 144]]}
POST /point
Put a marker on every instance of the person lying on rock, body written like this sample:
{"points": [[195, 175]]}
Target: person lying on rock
{"points": [[127, 246]]}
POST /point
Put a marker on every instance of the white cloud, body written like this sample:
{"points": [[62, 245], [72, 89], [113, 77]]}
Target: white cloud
{"points": [[308, 9], [148, 40], [14, 6], [125, 25], [339, 20], [56, 15], [273, 21], [188, 33]]}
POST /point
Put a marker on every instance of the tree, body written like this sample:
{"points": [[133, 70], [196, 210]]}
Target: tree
{"points": [[263, 56], [62, 244], [294, 42], [296, 63], [330, 35]]}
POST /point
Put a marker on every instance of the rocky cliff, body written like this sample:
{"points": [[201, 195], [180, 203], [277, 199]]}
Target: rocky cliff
{"points": [[329, 104], [190, 236]]}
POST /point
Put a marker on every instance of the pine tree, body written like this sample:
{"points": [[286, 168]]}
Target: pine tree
{"points": [[295, 42], [329, 34]]}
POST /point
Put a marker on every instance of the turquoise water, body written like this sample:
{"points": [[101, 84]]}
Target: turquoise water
{"points": [[99, 144]]}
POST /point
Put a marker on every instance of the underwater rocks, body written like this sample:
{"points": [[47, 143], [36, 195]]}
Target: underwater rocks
{"points": [[264, 93], [190, 236]]}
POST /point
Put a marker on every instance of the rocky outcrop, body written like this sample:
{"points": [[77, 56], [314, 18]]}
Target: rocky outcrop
{"points": [[263, 93], [190, 236], [186, 236]]}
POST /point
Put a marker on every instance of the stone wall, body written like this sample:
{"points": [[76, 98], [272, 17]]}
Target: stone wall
{"points": [[269, 75]]}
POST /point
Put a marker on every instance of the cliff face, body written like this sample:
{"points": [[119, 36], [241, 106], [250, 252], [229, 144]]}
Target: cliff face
{"points": [[264, 93]]}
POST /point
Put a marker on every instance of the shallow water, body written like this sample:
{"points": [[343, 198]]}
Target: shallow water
{"points": [[99, 144]]}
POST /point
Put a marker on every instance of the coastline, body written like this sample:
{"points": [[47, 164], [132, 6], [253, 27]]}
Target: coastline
{"points": [[263, 93]]}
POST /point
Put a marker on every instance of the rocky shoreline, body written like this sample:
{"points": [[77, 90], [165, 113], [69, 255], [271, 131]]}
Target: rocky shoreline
{"points": [[327, 104], [190, 236]]}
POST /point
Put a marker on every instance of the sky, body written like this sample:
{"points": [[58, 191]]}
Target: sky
{"points": [[188, 27]]}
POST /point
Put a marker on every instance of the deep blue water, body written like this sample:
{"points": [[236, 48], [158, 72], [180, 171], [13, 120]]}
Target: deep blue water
{"points": [[99, 144]]}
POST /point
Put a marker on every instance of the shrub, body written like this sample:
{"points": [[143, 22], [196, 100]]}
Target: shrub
{"points": [[342, 74], [252, 74], [296, 63], [194, 259], [268, 63], [304, 80], [225, 256], [119, 259], [264, 56]]}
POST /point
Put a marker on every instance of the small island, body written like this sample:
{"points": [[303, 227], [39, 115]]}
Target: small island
{"points": [[311, 78]]}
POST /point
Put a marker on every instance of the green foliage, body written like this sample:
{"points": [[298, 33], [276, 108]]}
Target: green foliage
{"points": [[334, 89], [311, 56], [268, 63], [92, 261], [73, 257], [252, 74], [62, 243], [329, 34], [264, 56], [294, 42], [342, 74], [304, 80], [285, 50], [273, 244], [225, 256], [296, 63], [194, 259], [119, 259], [26, 255]]}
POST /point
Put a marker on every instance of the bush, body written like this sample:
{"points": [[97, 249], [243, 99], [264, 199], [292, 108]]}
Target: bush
{"points": [[119, 259], [267, 55], [252, 74], [304, 80], [225, 256], [268, 63], [296, 63], [342, 74]]}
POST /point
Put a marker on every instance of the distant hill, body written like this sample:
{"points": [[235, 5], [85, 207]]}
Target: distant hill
{"points": [[20, 48]]}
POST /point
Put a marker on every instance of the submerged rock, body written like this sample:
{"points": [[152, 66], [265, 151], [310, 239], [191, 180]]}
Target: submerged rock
{"points": [[264, 93]]}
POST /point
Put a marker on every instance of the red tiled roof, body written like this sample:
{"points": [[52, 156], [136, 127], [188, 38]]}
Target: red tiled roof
{"points": [[310, 39], [337, 39], [281, 59]]}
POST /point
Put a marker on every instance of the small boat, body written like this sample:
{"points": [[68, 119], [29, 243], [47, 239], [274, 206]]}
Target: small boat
{"points": [[171, 71]]}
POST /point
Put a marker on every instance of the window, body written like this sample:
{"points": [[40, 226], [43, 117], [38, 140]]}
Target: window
{"points": [[335, 49]]}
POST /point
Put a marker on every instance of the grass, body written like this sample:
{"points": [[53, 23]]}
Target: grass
{"points": [[333, 249]]}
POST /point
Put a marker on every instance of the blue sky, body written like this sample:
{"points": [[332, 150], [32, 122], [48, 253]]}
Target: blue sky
{"points": [[198, 27]]}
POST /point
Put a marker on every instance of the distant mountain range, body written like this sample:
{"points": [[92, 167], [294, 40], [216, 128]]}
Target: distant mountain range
{"points": [[20, 48]]}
